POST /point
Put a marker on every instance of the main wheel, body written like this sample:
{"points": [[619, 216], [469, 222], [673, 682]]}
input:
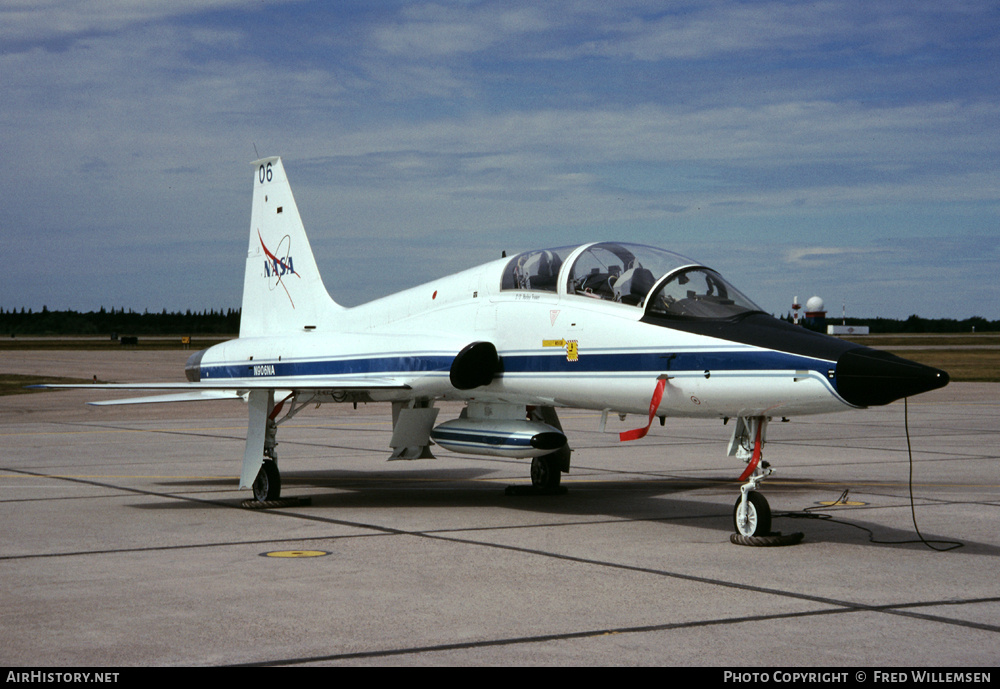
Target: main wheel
{"points": [[545, 472], [757, 520], [267, 485]]}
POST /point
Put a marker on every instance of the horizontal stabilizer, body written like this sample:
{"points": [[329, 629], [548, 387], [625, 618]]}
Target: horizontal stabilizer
{"points": [[297, 383], [196, 396], [221, 390]]}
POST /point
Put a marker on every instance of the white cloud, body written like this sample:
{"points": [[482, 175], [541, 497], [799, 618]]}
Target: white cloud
{"points": [[811, 255], [132, 121], [38, 21], [694, 31], [436, 31]]}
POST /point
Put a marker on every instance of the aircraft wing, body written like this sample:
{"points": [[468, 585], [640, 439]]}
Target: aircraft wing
{"points": [[201, 392]]}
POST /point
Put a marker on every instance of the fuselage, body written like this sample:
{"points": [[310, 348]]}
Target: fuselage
{"points": [[571, 330]]}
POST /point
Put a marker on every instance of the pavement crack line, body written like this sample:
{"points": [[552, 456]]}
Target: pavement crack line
{"points": [[835, 605], [585, 634]]}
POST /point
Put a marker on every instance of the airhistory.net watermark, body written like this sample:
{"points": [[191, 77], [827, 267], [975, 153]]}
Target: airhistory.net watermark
{"points": [[41, 676]]}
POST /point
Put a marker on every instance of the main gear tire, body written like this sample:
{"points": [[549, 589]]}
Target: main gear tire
{"points": [[267, 485], [545, 473]]}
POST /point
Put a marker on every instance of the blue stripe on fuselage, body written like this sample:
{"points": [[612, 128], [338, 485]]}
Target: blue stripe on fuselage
{"points": [[663, 361], [358, 366]]}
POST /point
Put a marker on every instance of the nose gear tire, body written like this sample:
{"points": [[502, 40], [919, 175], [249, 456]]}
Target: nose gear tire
{"points": [[774, 539]]}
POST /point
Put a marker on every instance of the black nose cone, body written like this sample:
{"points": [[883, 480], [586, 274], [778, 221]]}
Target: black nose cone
{"points": [[868, 377]]}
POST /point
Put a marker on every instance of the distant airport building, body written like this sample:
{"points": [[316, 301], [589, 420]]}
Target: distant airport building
{"points": [[847, 330]]}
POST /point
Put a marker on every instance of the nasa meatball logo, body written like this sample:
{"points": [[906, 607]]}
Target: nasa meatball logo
{"points": [[278, 265]]}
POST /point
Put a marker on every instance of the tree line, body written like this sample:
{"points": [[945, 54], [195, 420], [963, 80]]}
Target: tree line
{"points": [[15, 322], [914, 324], [109, 322]]}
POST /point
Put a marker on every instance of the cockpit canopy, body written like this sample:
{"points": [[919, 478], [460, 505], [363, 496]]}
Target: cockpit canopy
{"points": [[698, 293], [535, 270], [664, 283]]}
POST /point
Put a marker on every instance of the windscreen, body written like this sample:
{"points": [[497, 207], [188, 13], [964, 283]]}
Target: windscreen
{"points": [[698, 293]]}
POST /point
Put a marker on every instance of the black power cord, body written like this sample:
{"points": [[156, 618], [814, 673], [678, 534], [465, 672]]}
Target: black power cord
{"points": [[808, 513], [913, 510]]}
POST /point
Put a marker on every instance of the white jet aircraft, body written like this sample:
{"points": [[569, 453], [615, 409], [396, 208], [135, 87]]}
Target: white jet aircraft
{"points": [[609, 326]]}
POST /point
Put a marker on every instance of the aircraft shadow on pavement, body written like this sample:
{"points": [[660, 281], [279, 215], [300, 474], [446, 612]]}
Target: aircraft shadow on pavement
{"points": [[657, 499]]}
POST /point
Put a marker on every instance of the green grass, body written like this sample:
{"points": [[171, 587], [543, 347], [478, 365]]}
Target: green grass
{"points": [[927, 340], [969, 357], [968, 365]]}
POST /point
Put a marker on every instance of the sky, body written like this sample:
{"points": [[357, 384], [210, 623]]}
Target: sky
{"points": [[847, 149]]}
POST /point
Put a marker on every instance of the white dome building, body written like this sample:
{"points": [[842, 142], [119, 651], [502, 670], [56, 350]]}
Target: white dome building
{"points": [[815, 308]]}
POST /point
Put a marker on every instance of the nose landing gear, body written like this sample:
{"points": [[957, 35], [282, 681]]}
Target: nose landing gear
{"points": [[751, 513]]}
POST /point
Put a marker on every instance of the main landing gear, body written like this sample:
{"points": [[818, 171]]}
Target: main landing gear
{"points": [[545, 472], [267, 485], [547, 469], [262, 440]]}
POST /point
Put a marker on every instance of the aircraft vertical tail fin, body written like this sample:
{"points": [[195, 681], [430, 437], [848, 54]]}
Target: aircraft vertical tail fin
{"points": [[282, 289]]}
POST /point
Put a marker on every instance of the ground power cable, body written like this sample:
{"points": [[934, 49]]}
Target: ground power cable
{"points": [[951, 545], [809, 513]]}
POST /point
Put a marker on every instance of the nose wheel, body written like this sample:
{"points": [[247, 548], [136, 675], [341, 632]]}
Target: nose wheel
{"points": [[752, 517]]}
